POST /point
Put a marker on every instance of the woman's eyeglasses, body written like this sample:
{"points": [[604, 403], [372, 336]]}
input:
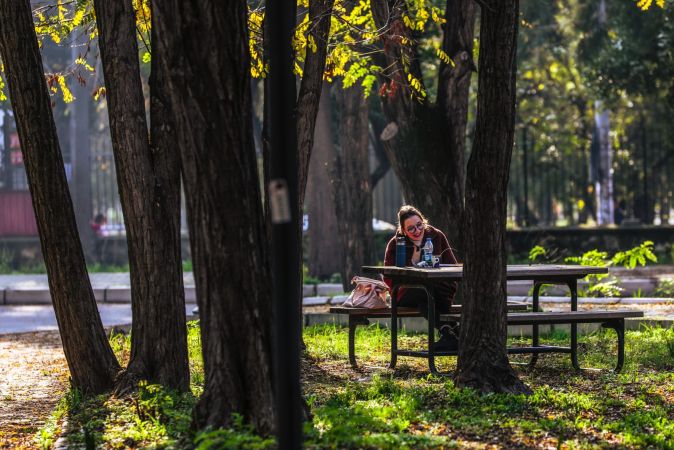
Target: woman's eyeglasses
{"points": [[419, 226]]}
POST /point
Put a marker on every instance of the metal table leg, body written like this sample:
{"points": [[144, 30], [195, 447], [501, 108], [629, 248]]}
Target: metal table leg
{"points": [[354, 321], [619, 326], [535, 331], [394, 328], [431, 331], [573, 287]]}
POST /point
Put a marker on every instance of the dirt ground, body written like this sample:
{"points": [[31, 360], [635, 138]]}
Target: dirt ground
{"points": [[33, 375]]}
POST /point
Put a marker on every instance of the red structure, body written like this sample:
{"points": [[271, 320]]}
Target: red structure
{"points": [[16, 214], [16, 210]]}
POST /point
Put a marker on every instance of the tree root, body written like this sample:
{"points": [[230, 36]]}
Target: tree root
{"points": [[487, 377], [127, 381]]}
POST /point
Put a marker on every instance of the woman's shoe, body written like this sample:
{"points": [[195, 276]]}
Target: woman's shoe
{"points": [[448, 341]]}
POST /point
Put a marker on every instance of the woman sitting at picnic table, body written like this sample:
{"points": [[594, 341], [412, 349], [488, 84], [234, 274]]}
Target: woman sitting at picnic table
{"points": [[415, 228]]}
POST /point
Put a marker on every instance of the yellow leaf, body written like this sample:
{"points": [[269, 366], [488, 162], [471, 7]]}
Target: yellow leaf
{"points": [[78, 16], [312, 43], [82, 62], [67, 95], [100, 91], [644, 4], [298, 70]]}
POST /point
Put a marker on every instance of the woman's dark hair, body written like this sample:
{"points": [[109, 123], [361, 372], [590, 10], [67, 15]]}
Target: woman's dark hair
{"points": [[405, 212]]}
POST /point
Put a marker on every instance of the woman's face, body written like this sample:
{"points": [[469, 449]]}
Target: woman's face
{"points": [[413, 227]]}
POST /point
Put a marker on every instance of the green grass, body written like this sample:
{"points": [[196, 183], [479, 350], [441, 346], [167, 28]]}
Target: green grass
{"points": [[374, 407]]}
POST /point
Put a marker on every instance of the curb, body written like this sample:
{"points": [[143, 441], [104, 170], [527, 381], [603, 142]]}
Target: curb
{"points": [[110, 294]]}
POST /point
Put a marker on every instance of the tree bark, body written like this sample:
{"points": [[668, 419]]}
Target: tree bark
{"points": [[483, 360], [92, 364], [148, 178], [427, 152], [325, 250], [206, 49], [351, 181]]}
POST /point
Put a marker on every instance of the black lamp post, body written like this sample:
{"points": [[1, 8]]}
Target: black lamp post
{"points": [[283, 201]]}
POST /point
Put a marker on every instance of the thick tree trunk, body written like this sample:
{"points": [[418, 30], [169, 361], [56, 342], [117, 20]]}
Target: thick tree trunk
{"points": [[325, 251], [351, 181], [483, 360], [206, 49], [427, 149], [149, 187], [90, 359]]}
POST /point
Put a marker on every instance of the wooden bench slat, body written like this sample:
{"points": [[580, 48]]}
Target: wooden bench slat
{"points": [[383, 312], [405, 311], [558, 317]]}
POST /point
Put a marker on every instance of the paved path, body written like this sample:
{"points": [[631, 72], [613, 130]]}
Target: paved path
{"points": [[98, 280], [107, 287], [24, 318]]}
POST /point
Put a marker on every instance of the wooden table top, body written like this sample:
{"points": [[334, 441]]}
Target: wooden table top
{"points": [[513, 272]]}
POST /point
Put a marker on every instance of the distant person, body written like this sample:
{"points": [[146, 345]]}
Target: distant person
{"points": [[620, 212], [415, 228], [97, 227]]}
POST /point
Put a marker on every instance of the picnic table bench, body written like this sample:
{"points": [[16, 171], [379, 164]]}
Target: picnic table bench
{"points": [[421, 278], [360, 316], [614, 319]]}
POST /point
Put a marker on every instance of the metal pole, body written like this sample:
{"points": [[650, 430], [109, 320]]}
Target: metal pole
{"points": [[525, 171], [283, 201], [644, 146]]}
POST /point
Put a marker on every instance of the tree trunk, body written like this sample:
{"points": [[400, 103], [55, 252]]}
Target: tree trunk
{"points": [[149, 188], [383, 165], [427, 148], [308, 99], [92, 364], [483, 360], [206, 49], [320, 12], [604, 184], [351, 181], [80, 158], [325, 251]]}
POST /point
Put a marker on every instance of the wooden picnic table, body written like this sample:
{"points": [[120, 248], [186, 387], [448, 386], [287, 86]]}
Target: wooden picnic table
{"points": [[539, 274]]}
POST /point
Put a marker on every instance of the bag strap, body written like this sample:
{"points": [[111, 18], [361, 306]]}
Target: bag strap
{"points": [[377, 283]]}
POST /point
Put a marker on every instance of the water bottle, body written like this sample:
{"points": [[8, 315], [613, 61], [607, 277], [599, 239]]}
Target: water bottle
{"points": [[428, 252], [400, 251]]}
